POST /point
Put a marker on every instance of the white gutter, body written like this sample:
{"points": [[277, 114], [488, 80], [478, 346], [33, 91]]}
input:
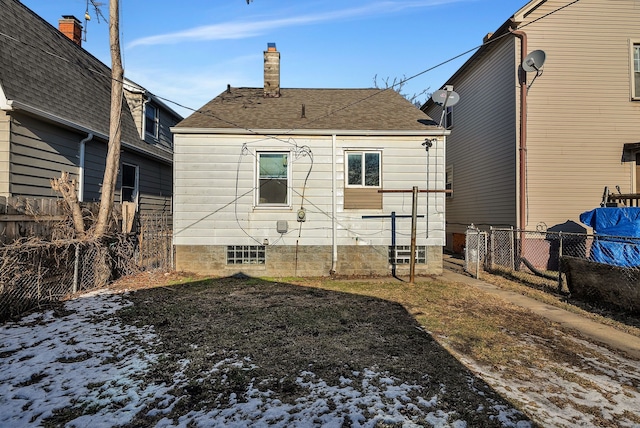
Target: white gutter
{"points": [[334, 209], [282, 132], [81, 167]]}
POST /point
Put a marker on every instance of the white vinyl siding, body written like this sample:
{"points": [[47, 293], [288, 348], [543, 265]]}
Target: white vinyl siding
{"points": [[214, 197], [5, 132]]}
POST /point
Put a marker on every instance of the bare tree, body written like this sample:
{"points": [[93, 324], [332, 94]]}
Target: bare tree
{"points": [[67, 187], [398, 85], [68, 190]]}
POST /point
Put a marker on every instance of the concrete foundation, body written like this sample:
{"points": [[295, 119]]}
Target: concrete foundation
{"points": [[303, 261]]}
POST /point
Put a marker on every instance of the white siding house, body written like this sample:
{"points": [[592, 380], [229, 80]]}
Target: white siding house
{"points": [[287, 182]]}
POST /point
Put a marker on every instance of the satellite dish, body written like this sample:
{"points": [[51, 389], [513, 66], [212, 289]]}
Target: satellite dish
{"points": [[534, 61], [444, 97]]}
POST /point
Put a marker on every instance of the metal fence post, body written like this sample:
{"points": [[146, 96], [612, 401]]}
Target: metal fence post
{"points": [[559, 262], [478, 254], [76, 265], [492, 253], [512, 240]]}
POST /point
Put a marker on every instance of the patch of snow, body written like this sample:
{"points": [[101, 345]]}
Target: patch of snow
{"points": [[90, 361]]}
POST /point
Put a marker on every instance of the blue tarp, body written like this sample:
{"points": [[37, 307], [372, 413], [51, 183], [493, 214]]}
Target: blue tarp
{"points": [[611, 226]]}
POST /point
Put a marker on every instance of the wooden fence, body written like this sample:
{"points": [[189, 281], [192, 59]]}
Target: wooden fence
{"points": [[22, 217]]}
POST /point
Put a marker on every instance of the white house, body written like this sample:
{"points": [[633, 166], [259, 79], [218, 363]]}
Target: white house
{"points": [[298, 182]]}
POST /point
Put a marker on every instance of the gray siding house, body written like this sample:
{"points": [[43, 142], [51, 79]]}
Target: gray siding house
{"points": [[535, 156], [54, 116], [293, 182]]}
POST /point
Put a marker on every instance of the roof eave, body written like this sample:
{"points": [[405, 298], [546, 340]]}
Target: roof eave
{"points": [[17, 105], [434, 131], [512, 22]]}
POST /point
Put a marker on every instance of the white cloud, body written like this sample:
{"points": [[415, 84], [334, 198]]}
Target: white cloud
{"points": [[247, 28]]}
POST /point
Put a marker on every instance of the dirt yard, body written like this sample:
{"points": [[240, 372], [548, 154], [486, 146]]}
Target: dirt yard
{"points": [[250, 352]]}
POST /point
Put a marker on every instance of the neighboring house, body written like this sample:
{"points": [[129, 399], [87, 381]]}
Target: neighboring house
{"points": [[283, 182], [54, 116], [535, 156]]}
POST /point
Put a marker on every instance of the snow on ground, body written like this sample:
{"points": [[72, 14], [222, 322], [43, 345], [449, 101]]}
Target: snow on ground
{"points": [[85, 358]]}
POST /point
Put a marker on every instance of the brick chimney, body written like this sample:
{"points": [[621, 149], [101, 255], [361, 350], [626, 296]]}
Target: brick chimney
{"points": [[70, 26], [271, 71]]}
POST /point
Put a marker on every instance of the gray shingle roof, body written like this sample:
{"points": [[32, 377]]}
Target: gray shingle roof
{"points": [[324, 109], [42, 68]]}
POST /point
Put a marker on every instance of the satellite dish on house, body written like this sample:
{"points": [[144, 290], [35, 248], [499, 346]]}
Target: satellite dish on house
{"points": [[446, 98], [534, 61]]}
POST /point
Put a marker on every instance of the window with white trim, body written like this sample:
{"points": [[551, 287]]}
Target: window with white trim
{"points": [[151, 120], [272, 187], [635, 79], [448, 185], [363, 169], [129, 183]]}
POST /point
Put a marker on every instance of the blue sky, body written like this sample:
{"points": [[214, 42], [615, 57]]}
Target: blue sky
{"points": [[189, 51]]}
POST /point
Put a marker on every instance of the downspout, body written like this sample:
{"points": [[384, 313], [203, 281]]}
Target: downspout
{"points": [[334, 225], [81, 166], [523, 129]]}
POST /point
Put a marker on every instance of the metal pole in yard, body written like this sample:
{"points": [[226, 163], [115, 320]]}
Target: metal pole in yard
{"points": [[559, 261], [478, 254], [512, 239], [485, 245], [414, 221], [493, 250], [76, 265]]}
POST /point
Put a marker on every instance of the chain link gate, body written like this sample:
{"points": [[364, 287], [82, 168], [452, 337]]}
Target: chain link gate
{"points": [[475, 251]]}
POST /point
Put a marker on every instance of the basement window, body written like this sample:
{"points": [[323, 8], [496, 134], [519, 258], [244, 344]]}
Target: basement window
{"points": [[401, 254], [246, 255]]}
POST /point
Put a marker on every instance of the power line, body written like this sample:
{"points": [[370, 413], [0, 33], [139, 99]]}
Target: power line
{"points": [[345, 107]]}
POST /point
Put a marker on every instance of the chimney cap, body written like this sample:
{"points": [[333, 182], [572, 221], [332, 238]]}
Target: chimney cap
{"points": [[70, 17], [271, 47]]}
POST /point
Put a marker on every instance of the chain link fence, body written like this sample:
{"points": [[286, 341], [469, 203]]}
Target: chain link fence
{"points": [[33, 273], [591, 267]]}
